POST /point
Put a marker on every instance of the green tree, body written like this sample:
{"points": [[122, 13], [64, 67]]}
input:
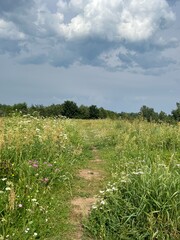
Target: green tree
{"points": [[176, 112], [70, 109], [162, 116], [102, 113], [93, 112], [148, 113], [20, 107], [83, 112]]}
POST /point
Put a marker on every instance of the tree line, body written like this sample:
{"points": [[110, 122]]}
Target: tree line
{"points": [[70, 109]]}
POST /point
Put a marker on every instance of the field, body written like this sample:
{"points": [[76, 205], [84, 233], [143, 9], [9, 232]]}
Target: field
{"points": [[133, 179]]}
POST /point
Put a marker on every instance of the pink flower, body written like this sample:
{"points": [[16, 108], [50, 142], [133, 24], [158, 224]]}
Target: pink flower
{"points": [[35, 165], [45, 180]]}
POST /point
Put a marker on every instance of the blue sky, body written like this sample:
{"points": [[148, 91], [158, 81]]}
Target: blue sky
{"points": [[119, 54]]}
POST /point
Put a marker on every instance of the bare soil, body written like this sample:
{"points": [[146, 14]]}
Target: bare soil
{"points": [[81, 206], [89, 174]]}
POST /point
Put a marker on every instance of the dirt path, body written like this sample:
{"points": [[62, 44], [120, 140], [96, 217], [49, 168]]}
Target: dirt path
{"points": [[90, 182]]}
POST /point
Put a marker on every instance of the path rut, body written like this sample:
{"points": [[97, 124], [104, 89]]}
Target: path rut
{"points": [[81, 206]]}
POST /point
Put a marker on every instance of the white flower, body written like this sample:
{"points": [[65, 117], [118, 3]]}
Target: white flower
{"points": [[9, 183], [7, 188], [102, 202], [161, 165], [108, 190], [138, 173], [26, 230], [34, 200], [101, 192], [35, 234], [4, 179], [94, 207]]}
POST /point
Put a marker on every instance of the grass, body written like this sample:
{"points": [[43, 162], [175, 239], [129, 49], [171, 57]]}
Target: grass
{"points": [[142, 200], [39, 160]]}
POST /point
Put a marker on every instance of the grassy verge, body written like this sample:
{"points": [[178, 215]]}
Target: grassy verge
{"points": [[142, 200], [39, 160]]}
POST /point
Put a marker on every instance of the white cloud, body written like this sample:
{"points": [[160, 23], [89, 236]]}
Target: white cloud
{"points": [[89, 31], [9, 31], [131, 20]]}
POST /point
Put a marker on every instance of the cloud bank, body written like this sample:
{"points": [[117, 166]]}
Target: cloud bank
{"points": [[118, 34]]}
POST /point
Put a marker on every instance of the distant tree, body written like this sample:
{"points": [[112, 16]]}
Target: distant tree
{"points": [[41, 110], [54, 110], [102, 113], [70, 109], [2, 113], [176, 112], [93, 112], [83, 112], [5, 109], [20, 107], [148, 113], [162, 116], [111, 114]]}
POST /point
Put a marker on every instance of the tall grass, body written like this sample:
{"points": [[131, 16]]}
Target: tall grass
{"points": [[38, 163], [142, 201], [37, 160]]}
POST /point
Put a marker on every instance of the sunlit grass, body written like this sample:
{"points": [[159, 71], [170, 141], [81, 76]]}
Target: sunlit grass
{"points": [[142, 200], [38, 163], [37, 160]]}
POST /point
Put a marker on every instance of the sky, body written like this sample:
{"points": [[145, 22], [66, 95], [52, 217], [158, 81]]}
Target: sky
{"points": [[118, 54]]}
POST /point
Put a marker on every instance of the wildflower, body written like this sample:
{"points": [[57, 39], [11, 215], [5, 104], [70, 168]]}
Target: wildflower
{"points": [[101, 192], [102, 202], [7, 188], [4, 179], [27, 230], [8, 183], [35, 165], [161, 165], [34, 200], [46, 179], [3, 220], [20, 205], [94, 207], [178, 165], [138, 173], [108, 190], [35, 234], [123, 181]]}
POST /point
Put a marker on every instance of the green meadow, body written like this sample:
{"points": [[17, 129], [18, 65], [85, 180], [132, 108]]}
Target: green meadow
{"points": [[138, 198]]}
